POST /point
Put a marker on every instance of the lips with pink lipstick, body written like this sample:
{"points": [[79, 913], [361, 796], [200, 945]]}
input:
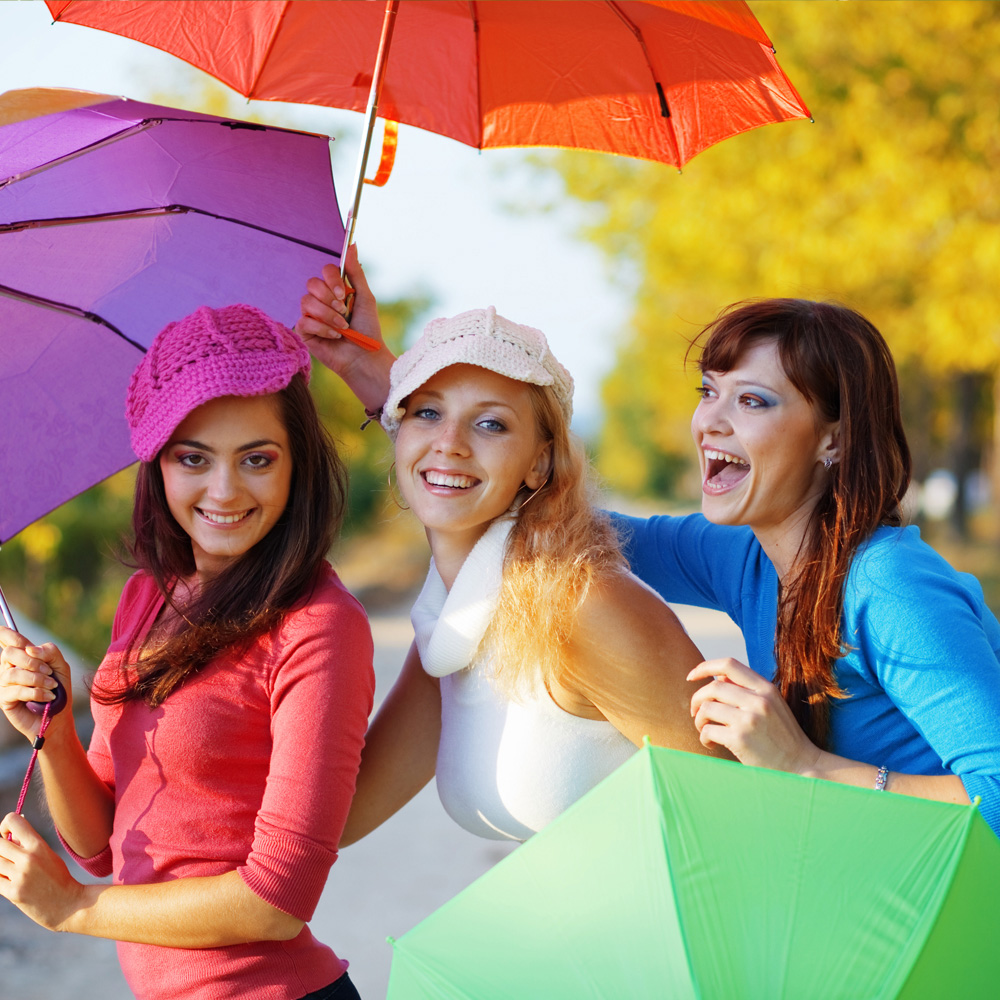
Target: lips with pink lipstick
{"points": [[723, 471]]}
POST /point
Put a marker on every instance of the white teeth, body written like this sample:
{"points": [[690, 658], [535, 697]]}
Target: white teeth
{"points": [[223, 518], [440, 479], [722, 456]]}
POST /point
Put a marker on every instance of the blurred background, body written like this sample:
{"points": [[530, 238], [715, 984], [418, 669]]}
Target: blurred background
{"points": [[888, 202]]}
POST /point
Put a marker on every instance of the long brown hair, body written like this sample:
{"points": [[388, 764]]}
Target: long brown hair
{"points": [[841, 364], [252, 595], [560, 544]]}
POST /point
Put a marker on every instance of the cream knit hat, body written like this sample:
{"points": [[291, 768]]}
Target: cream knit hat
{"points": [[478, 337]]}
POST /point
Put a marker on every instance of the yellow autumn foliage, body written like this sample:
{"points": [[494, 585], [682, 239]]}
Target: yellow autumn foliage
{"points": [[889, 202]]}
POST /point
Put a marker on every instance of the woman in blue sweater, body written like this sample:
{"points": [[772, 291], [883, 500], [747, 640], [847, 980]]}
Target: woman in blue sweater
{"points": [[872, 661]]}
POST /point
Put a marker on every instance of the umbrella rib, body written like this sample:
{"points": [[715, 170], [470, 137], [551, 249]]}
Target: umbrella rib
{"points": [[82, 151], [664, 107], [65, 307], [137, 213], [135, 129]]}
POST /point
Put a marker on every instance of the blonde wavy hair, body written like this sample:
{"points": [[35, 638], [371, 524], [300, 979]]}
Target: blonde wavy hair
{"points": [[559, 546]]}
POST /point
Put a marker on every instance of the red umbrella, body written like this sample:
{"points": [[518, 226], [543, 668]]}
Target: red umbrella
{"points": [[654, 80]]}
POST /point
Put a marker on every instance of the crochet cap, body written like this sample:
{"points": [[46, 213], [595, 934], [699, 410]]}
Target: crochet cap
{"points": [[478, 337], [234, 351]]}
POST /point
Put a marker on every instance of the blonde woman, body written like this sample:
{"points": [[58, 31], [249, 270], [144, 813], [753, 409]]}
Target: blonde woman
{"points": [[539, 663]]}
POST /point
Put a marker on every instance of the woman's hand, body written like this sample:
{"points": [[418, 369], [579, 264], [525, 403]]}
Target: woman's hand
{"points": [[740, 710], [34, 878], [28, 673], [322, 320]]}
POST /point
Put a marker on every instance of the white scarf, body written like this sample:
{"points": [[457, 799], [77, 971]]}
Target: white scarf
{"points": [[449, 625]]}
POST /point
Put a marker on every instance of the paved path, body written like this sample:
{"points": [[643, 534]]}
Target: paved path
{"points": [[381, 886]]}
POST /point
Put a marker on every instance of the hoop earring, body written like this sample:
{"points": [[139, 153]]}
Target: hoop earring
{"points": [[392, 491], [521, 506]]}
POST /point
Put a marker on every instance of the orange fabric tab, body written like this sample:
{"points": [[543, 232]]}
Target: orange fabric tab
{"points": [[389, 140]]}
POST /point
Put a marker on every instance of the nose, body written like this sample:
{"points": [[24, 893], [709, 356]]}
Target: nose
{"points": [[451, 438], [223, 484], [710, 417]]}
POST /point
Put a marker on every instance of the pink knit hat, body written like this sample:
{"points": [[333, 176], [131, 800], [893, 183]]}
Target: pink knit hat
{"points": [[233, 351]]}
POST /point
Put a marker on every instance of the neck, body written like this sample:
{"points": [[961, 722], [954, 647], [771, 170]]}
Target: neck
{"points": [[450, 552], [784, 544]]}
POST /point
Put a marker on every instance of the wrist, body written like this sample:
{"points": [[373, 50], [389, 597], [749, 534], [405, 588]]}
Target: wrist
{"points": [[79, 919], [368, 378]]}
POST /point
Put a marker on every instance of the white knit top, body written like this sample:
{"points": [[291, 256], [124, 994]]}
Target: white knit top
{"points": [[505, 768]]}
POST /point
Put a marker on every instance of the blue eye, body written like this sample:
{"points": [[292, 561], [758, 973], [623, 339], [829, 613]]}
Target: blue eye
{"points": [[424, 413], [492, 424]]}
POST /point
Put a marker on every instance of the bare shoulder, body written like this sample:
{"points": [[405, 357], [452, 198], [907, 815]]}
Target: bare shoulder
{"points": [[620, 601]]}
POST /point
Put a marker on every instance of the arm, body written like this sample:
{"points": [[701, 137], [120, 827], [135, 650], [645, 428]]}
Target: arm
{"points": [[400, 752], [35, 879], [81, 804], [323, 308], [741, 711], [628, 661]]}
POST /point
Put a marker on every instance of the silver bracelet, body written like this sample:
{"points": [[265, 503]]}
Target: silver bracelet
{"points": [[881, 778]]}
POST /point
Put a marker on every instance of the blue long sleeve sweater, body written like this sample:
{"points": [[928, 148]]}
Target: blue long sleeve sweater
{"points": [[922, 671]]}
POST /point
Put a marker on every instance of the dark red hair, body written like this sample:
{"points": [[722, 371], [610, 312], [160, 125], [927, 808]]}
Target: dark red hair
{"points": [[842, 365]]}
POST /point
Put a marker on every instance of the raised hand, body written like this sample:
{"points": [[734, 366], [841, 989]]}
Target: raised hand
{"points": [[740, 710]]}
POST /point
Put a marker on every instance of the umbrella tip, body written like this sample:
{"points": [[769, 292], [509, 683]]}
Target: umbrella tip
{"points": [[645, 741], [390, 939]]}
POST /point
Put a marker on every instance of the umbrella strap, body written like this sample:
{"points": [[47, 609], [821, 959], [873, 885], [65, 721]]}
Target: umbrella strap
{"points": [[36, 745], [390, 139]]}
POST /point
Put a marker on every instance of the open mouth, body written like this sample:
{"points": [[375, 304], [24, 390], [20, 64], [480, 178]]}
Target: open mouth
{"points": [[723, 471], [224, 518], [449, 480]]}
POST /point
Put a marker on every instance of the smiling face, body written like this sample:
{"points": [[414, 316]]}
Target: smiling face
{"points": [[761, 446], [467, 443], [227, 472]]}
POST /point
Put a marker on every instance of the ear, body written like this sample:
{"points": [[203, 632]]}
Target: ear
{"points": [[540, 468], [829, 445]]}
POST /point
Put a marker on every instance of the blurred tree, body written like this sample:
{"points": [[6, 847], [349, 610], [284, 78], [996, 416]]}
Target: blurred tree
{"points": [[888, 203]]}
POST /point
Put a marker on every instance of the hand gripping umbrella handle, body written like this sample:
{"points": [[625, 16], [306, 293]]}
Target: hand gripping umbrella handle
{"points": [[38, 707]]}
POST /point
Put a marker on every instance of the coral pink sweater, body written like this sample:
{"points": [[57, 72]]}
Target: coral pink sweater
{"points": [[250, 765]]}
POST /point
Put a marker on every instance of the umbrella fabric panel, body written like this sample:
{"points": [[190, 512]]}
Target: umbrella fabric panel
{"points": [[140, 274], [214, 165], [684, 876], [561, 917], [947, 965], [572, 73], [62, 385]]}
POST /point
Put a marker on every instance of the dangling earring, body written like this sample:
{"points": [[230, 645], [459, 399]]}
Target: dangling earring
{"points": [[392, 491], [521, 506]]}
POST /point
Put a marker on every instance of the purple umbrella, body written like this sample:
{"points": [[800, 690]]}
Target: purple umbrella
{"points": [[115, 219]]}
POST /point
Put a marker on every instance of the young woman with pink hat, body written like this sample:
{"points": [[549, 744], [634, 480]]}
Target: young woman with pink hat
{"points": [[231, 707], [540, 663]]}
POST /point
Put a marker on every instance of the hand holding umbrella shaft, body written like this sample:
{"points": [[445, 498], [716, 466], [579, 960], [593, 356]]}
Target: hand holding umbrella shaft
{"points": [[322, 324]]}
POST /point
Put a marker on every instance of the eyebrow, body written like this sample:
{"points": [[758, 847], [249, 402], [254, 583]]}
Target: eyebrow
{"points": [[434, 394], [200, 446]]}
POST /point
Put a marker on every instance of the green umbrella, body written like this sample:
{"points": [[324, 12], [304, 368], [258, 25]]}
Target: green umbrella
{"points": [[686, 877]]}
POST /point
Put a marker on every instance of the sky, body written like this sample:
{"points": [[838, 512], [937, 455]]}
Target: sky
{"points": [[444, 223]]}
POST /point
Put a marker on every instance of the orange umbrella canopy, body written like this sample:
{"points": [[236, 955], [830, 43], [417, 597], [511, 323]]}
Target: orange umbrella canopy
{"points": [[654, 80]]}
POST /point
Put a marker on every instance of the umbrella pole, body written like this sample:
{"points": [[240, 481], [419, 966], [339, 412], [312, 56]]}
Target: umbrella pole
{"points": [[7, 616], [371, 113]]}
